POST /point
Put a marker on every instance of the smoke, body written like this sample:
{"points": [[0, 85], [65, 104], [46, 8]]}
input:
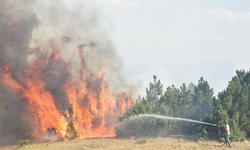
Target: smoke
{"points": [[32, 31]]}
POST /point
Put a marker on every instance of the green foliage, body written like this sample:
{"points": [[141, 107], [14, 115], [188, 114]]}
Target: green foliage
{"points": [[223, 140], [204, 134], [118, 133], [202, 139], [154, 91], [143, 127], [140, 108], [71, 131], [25, 142], [233, 105], [179, 100], [176, 102], [202, 99], [194, 102]]}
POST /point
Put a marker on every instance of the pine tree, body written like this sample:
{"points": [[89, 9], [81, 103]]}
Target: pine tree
{"points": [[236, 133], [154, 91], [184, 100], [139, 99], [202, 99], [233, 104], [170, 98]]}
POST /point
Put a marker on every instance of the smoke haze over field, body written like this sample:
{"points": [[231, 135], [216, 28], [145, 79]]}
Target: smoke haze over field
{"points": [[181, 41], [57, 64]]}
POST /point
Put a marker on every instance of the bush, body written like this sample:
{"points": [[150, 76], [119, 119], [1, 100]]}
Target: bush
{"points": [[204, 133], [237, 135], [24, 142], [71, 131], [141, 140], [202, 139], [222, 140], [142, 127]]}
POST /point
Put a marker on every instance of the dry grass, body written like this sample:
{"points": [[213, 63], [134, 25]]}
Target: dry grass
{"points": [[168, 143]]}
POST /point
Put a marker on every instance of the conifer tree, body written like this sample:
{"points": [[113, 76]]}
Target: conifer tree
{"points": [[202, 99], [154, 91], [233, 104]]}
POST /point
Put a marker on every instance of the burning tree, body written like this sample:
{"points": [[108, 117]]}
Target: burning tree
{"points": [[48, 80]]}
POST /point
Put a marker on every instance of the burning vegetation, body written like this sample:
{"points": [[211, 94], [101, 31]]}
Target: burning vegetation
{"points": [[48, 81]]}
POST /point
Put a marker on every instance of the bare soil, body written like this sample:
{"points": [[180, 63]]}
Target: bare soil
{"points": [[168, 143]]}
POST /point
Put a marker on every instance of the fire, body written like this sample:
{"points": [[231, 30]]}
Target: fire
{"points": [[86, 100]]}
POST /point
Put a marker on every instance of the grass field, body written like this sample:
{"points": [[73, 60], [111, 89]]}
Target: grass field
{"points": [[168, 143]]}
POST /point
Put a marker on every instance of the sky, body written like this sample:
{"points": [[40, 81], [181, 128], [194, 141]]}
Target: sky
{"points": [[179, 40]]}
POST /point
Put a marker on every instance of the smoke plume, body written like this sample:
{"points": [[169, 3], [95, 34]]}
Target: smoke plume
{"points": [[57, 64]]}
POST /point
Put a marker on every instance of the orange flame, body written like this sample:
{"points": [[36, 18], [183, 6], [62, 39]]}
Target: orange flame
{"points": [[90, 104]]}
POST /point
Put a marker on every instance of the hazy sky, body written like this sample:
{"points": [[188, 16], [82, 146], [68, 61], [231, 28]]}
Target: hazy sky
{"points": [[179, 40]]}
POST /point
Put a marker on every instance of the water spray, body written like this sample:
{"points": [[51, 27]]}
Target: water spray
{"points": [[171, 118]]}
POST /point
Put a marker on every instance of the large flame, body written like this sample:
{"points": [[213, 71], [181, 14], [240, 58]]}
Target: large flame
{"points": [[85, 99]]}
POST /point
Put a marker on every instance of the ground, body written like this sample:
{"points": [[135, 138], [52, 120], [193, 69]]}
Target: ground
{"points": [[168, 143]]}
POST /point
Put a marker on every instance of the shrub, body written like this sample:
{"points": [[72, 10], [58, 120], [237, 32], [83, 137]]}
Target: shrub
{"points": [[141, 140], [71, 131], [142, 127], [24, 142], [202, 139], [222, 140], [204, 133]]}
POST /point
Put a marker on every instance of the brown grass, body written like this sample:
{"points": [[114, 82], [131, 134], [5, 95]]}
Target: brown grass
{"points": [[168, 143]]}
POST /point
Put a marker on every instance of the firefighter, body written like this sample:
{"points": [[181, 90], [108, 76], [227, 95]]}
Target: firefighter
{"points": [[227, 132]]}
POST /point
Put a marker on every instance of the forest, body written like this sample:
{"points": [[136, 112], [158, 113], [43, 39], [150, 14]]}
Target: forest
{"points": [[191, 101]]}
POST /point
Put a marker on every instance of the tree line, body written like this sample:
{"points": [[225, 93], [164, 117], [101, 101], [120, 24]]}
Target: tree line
{"points": [[193, 102]]}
